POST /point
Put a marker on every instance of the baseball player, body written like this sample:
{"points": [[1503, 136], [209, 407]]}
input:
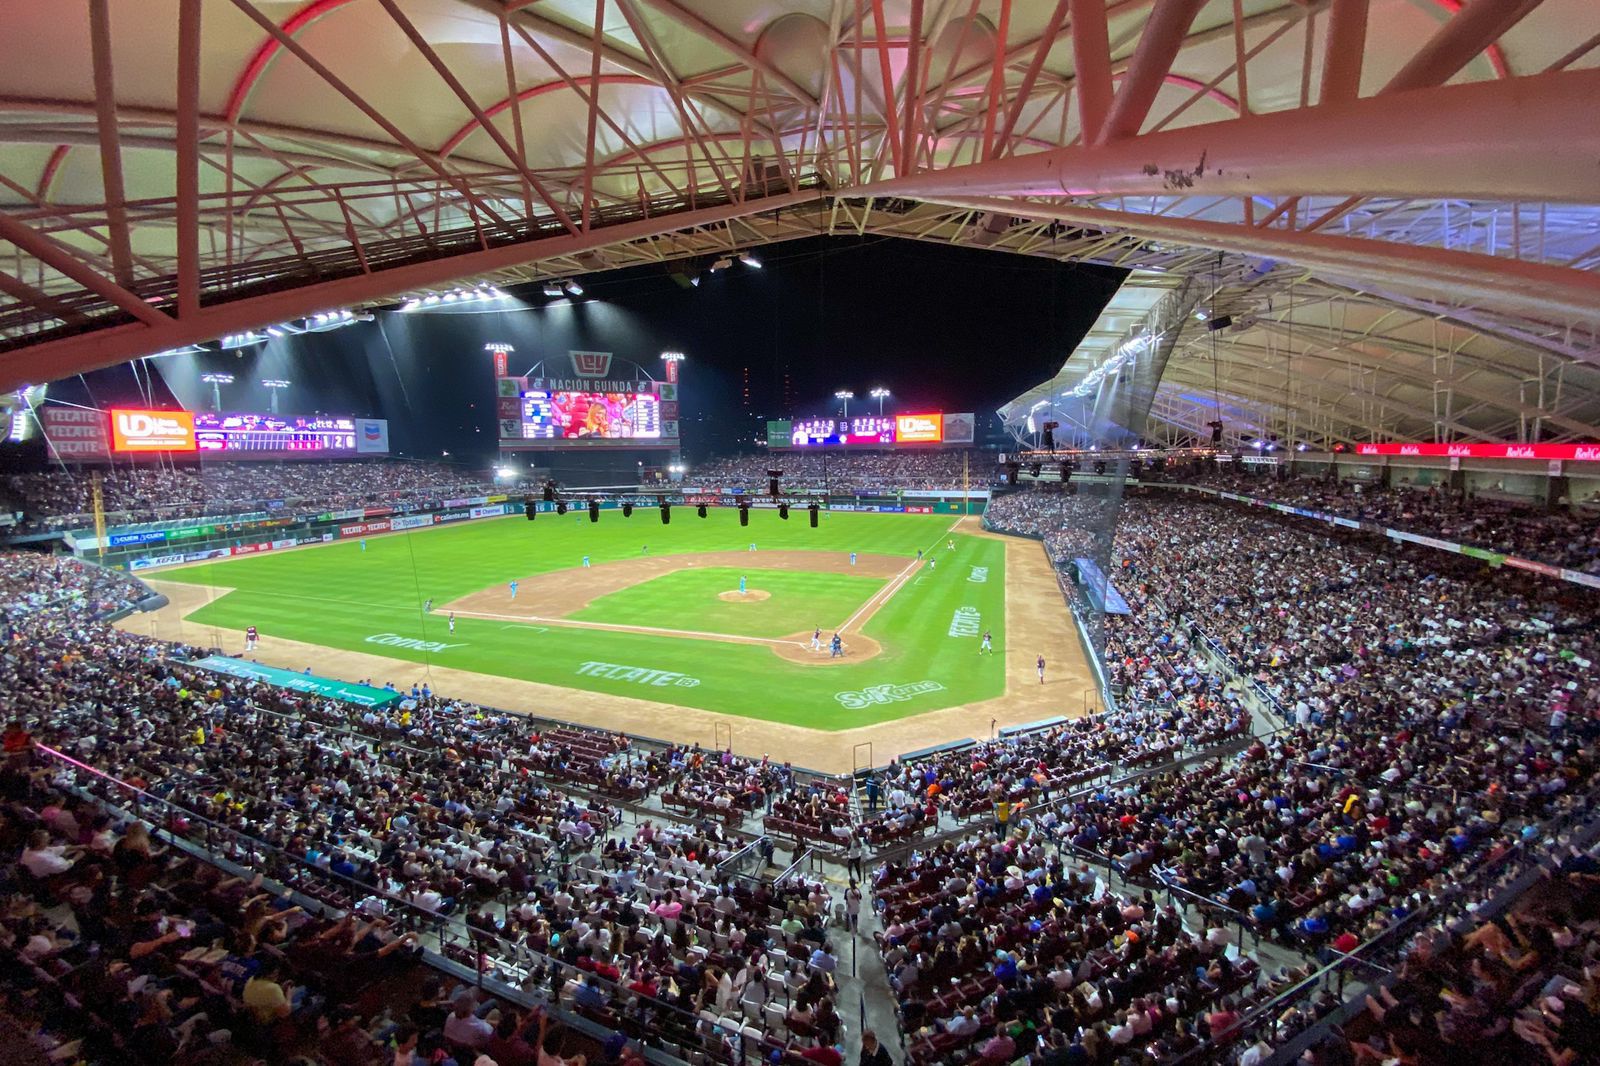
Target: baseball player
{"points": [[513, 590], [427, 607], [852, 558], [1040, 665], [752, 547], [250, 638], [585, 562], [363, 543], [837, 648], [741, 585], [987, 645], [452, 621], [950, 545], [933, 564], [816, 639]]}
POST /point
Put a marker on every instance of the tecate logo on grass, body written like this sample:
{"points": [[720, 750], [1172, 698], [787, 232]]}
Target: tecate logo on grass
{"points": [[880, 694], [979, 575], [639, 675], [966, 623], [395, 640]]}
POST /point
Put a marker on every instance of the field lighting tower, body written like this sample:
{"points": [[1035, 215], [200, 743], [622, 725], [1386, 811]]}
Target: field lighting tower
{"points": [[880, 394], [216, 381], [845, 395], [274, 386], [674, 370]]}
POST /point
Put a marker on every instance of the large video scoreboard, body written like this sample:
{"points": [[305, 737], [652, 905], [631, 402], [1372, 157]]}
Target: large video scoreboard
{"points": [[82, 433], [871, 431], [590, 407]]}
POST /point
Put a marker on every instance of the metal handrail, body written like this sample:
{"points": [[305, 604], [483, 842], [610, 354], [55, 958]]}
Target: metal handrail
{"points": [[415, 918]]}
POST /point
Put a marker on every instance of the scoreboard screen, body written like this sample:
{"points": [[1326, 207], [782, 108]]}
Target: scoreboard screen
{"points": [[590, 416], [242, 435]]}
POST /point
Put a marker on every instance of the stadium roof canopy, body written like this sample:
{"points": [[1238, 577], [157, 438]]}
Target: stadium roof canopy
{"points": [[1397, 201]]}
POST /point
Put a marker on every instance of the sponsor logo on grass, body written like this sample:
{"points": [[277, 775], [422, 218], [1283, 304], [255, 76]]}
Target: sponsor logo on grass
{"points": [[966, 623], [395, 640], [979, 575], [639, 675], [874, 695]]}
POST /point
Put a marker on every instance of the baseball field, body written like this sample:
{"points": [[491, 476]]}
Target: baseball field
{"points": [[629, 607]]}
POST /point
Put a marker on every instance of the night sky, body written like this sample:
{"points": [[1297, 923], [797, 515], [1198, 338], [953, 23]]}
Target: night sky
{"points": [[943, 328]]}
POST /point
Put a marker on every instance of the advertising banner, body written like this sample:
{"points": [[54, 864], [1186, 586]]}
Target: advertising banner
{"points": [[135, 430], [211, 553], [75, 432], [958, 428], [160, 560], [372, 436], [289, 543], [413, 521], [345, 691], [488, 512], [363, 528], [1510, 450], [918, 429], [376, 512], [149, 536]]}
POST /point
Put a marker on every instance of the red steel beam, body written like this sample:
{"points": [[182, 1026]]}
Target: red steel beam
{"points": [[1152, 60], [1342, 50], [1474, 28], [1407, 145], [449, 78], [51, 360], [366, 108], [105, 103], [1091, 61], [1031, 75], [58, 258], [188, 137], [1495, 281]]}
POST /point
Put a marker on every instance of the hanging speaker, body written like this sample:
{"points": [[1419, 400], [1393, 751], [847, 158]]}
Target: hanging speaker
{"points": [[533, 508], [701, 510], [594, 510], [627, 510], [666, 513], [783, 511], [813, 509], [744, 514], [561, 507]]}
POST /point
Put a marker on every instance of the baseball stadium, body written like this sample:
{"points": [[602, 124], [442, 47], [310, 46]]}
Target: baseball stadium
{"points": [[871, 532]]}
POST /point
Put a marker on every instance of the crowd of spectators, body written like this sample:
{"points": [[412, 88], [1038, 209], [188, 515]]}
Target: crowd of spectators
{"points": [[63, 500], [435, 810], [1436, 714], [1559, 535], [1522, 986], [849, 472]]}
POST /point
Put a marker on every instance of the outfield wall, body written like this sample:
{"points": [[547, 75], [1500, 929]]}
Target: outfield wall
{"points": [[178, 543]]}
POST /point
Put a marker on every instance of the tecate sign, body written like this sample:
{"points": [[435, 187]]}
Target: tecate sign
{"points": [[151, 431]]}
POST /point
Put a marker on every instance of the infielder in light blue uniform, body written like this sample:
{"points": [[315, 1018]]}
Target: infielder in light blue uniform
{"points": [[513, 590]]}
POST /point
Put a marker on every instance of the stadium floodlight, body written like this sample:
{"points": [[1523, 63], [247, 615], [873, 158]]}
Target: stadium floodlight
{"points": [[721, 264], [274, 331], [672, 357], [552, 288], [216, 381], [749, 260], [573, 288], [431, 298], [880, 394], [273, 386], [411, 305], [846, 395], [505, 473]]}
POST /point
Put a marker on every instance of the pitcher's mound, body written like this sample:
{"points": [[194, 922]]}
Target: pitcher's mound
{"points": [[753, 596]]}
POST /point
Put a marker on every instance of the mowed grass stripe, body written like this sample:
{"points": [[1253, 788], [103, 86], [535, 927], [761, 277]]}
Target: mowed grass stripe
{"points": [[340, 596], [690, 599]]}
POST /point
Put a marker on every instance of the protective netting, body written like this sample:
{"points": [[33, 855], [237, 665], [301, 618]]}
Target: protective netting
{"points": [[1072, 498]]}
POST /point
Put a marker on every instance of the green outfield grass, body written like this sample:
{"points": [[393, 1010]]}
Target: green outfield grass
{"points": [[690, 599], [342, 596]]}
